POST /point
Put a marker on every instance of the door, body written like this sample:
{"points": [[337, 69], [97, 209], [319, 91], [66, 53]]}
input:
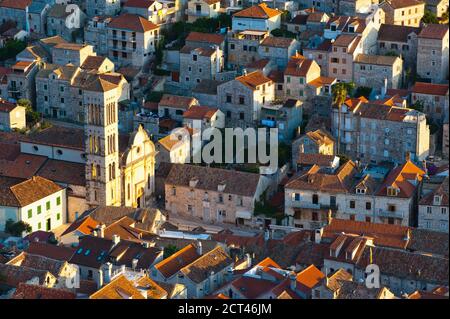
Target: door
{"points": [[49, 224], [55, 113]]}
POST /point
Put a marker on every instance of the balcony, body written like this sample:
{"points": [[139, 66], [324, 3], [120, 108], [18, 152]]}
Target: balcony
{"points": [[390, 214], [300, 204], [122, 38]]}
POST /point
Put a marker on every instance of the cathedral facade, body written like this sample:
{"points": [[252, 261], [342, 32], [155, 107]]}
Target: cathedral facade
{"points": [[115, 175]]}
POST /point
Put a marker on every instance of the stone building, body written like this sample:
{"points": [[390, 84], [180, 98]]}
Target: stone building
{"points": [[174, 106], [320, 54], [344, 50], [154, 11], [114, 177], [433, 53], [95, 34], [71, 53], [102, 7], [258, 17], [65, 20], [21, 81], [313, 142], [401, 40], [404, 12], [213, 195], [12, 116], [403, 131], [298, 75], [202, 9], [243, 47], [242, 98], [378, 72], [353, 7], [433, 208], [132, 40], [17, 11], [199, 63], [434, 98], [278, 49]]}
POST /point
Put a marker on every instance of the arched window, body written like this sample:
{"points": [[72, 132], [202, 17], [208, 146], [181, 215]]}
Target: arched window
{"points": [[149, 181], [114, 170], [109, 169], [94, 171], [98, 170], [128, 191]]}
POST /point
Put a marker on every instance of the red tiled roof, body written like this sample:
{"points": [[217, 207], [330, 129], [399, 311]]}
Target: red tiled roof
{"points": [[298, 65], [260, 11], [29, 291], [85, 226], [15, 4], [205, 37], [132, 22], [23, 166], [171, 265], [200, 112], [50, 251], [308, 278], [63, 172], [397, 4], [6, 106], [277, 42], [253, 79], [430, 88], [400, 177], [139, 3], [177, 101], [434, 31]]}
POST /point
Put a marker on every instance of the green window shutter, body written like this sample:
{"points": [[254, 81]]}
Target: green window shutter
{"points": [[39, 209], [30, 213]]}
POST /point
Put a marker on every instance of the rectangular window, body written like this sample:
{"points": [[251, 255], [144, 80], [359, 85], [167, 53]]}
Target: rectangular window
{"points": [[368, 205], [30, 213], [47, 205], [352, 204], [58, 216], [58, 200], [39, 209], [39, 225]]}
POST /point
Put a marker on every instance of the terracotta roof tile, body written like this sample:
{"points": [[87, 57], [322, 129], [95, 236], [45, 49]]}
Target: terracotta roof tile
{"points": [[139, 3], [6, 106], [171, 265], [213, 261], [177, 101], [63, 172], [28, 291], [277, 42], [396, 33], [23, 166], [200, 112], [434, 31], [430, 88], [84, 225], [19, 193], [51, 251], [400, 178], [254, 79], [298, 65], [132, 22], [398, 4], [16, 4], [260, 11], [205, 37], [118, 288]]}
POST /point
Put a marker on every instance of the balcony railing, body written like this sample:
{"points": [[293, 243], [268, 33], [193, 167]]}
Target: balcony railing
{"points": [[387, 213], [301, 204]]}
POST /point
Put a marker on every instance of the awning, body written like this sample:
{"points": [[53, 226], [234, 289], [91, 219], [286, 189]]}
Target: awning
{"points": [[244, 214]]}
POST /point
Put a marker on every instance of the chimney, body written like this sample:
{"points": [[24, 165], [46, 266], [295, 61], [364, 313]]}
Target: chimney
{"points": [[101, 230], [134, 263], [244, 72], [115, 239], [107, 272], [249, 260], [408, 156], [199, 248], [318, 235], [293, 280]]}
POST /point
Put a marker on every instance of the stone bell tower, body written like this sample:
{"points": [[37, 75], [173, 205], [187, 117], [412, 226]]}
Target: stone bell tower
{"points": [[100, 100]]}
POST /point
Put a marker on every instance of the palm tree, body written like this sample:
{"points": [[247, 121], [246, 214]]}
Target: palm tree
{"points": [[340, 91]]}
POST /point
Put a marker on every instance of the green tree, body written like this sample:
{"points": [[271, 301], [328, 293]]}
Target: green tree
{"points": [[340, 91], [363, 91], [169, 250], [429, 17], [31, 115], [17, 228], [11, 49], [417, 105]]}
